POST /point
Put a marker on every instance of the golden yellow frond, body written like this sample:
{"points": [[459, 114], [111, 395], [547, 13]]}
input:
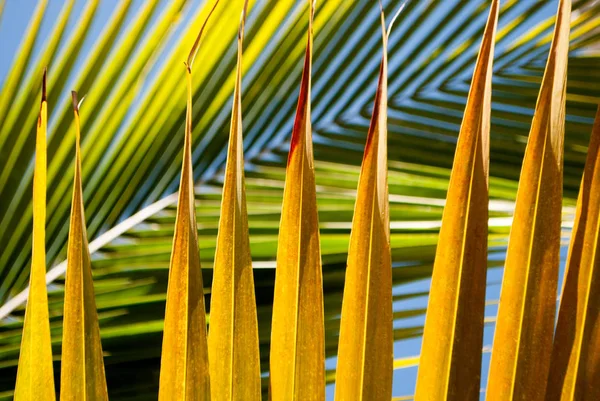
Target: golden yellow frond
{"points": [[233, 337], [35, 374], [574, 374], [365, 351], [184, 369], [450, 366], [297, 335], [82, 367], [525, 327]]}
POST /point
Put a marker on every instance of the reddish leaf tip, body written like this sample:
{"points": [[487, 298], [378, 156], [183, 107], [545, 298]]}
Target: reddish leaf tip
{"points": [[75, 101], [44, 84]]}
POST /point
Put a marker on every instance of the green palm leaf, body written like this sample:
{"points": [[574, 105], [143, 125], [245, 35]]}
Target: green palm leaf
{"points": [[132, 124]]}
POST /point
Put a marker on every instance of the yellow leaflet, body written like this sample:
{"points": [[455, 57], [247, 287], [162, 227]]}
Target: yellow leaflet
{"points": [[184, 372], [365, 353], [233, 338], [450, 365], [297, 335], [82, 367], [525, 326], [35, 374], [574, 375]]}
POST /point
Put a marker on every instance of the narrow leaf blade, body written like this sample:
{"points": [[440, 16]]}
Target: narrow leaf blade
{"points": [[365, 351], [233, 338], [82, 367], [35, 374], [184, 369], [524, 330], [573, 368], [450, 366], [297, 335]]}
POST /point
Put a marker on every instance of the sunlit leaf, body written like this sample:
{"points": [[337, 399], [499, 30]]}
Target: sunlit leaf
{"points": [[57, 80], [297, 336], [82, 363], [365, 352], [35, 374], [16, 116], [233, 337], [132, 140], [19, 65], [450, 366], [184, 372], [520, 355], [574, 374]]}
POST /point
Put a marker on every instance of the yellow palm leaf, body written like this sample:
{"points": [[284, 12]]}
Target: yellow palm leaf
{"points": [[184, 372], [233, 338], [525, 327], [297, 336], [35, 374], [574, 375], [82, 368], [365, 351], [450, 366]]}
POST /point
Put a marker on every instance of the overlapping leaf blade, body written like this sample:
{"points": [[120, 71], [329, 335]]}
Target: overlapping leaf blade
{"points": [[434, 52], [525, 327], [184, 370], [574, 374]]}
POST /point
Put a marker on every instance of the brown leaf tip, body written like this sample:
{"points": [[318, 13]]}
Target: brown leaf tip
{"points": [[194, 50], [243, 20], [44, 84], [75, 101]]}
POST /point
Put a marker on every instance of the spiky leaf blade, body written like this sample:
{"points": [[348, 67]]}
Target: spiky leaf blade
{"points": [[450, 366], [574, 375], [297, 335], [233, 337], [365, 351], [525, 326], [35, 373], [82, 367], [184, 371]]}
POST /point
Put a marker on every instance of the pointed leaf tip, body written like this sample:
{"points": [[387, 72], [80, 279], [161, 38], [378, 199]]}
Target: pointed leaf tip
{"points": [[195, 47], [243, 20], [75, 101], [395, 17], [44, 85]]}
